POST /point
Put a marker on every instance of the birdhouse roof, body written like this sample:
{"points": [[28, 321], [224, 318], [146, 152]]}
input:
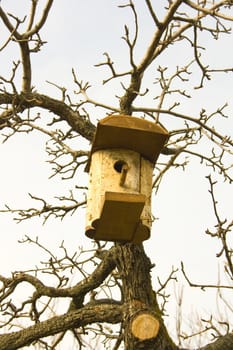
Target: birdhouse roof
{"points": [[127, 132]]}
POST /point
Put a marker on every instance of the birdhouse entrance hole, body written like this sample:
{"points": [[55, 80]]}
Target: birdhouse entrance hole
{"points": [[119, 165]]}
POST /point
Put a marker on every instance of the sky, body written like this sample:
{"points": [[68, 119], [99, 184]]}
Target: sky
{"points": [[77, 35]]}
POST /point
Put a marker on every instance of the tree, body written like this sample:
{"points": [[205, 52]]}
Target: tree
{"points": [[148, 88]]}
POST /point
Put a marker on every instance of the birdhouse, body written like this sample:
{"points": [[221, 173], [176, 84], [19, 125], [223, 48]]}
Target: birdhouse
{"points": [[120, 166]]}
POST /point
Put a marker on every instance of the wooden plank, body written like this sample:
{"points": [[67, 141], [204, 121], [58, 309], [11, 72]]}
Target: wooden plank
{"points": [[127, 132], [145, 326], [120, 219]]}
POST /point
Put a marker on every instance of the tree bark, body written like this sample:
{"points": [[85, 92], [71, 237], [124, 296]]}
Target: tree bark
{"points": [[23, 101], [134, 269], [223, 343], [74, 319]]}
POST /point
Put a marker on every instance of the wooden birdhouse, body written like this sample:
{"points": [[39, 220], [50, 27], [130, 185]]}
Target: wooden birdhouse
{"points": [[120, 167]]}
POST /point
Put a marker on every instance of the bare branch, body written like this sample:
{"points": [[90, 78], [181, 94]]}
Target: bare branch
{"points": [[9, 25], [79, 290], [83, 87], [153, 15], [110, 64], [211, 11], [41, 22], [74, 319], [203, 286], [29, 100], [26, 61], [47, 210], [199, 122], [32, 14], [131, 42], [222, 230]]}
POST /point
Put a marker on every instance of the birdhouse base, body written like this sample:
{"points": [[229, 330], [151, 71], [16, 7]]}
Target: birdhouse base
{"points": [[120, 219]]}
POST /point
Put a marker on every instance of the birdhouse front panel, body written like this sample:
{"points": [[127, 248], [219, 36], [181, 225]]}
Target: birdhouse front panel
{"points": [[123, 172], [120, 170]]}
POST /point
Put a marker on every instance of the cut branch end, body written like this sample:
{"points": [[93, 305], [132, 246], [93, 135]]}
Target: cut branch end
{"points": [[144, 326]]}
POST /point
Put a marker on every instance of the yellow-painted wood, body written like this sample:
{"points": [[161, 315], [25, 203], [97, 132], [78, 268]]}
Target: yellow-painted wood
{"points": [[120, 219], [127, 132], [121, 162], [106, 171]]}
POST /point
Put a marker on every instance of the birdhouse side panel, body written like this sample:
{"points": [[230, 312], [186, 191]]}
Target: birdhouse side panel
{"points": [[94, 189], [146, 189]]}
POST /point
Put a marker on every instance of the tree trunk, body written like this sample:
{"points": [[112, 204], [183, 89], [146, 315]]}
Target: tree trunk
{"points": [[223, 343], [143, 324]]}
